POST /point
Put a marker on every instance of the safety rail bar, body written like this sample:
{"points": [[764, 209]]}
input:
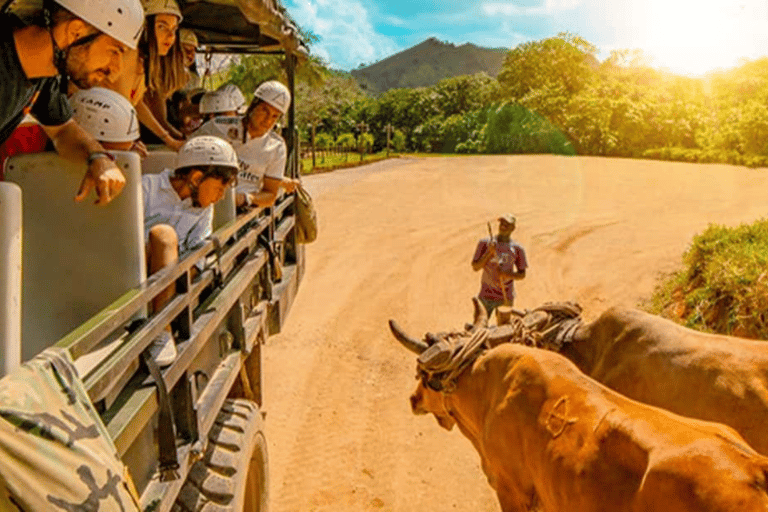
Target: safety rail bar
{"points": [[86, 336], [134, 396]]}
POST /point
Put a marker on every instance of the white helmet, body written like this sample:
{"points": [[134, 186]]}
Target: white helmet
{"points": [[121, 19], [152, 7], [207, 150], [107, 115], [235, 93], [217, 102], [187, 36], [274, 93]]}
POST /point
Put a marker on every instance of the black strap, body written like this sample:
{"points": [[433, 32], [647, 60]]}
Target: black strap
{"points": [[166, 430]]}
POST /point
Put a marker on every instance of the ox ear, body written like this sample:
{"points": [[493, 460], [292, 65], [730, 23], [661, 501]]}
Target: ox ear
{"points": [[416, 346], [481, 315]]}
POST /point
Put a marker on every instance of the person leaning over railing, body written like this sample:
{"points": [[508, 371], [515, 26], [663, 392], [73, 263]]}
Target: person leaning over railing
{"points": [[178, 214], [263, 154], [79, 40], [154, 71]]}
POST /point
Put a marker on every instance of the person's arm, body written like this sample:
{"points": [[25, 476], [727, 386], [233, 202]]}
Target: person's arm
{"points": [[148, 119], [77, 145], [483, 254], [274, 179], [199, 233], [159, 109], [515, 269]]}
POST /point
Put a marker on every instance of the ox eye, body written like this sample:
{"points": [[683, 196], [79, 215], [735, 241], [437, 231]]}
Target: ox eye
{"points": [[435, 384]]}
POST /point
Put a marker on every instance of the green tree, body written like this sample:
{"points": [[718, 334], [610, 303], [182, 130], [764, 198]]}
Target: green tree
{"points": [[566, 63]]}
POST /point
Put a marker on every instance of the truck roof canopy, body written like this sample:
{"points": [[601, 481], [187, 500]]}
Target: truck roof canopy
{"points": [[222, 26], [242, 26]]}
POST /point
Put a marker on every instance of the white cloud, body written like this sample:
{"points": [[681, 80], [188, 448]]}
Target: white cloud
{"points": [[346, 35], [516, 9], [553, 6]]}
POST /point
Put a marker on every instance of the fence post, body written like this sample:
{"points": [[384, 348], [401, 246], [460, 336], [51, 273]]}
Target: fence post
{"points": [[311, 127]]}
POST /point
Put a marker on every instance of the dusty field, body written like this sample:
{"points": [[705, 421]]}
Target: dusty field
{"points": [[396, 241]]}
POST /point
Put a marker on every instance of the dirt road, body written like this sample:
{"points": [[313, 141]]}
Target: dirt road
{"points": [[396, 239]]}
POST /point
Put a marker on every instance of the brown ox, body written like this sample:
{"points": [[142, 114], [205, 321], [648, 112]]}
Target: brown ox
{"points": [[657, 362], [552, 439]]}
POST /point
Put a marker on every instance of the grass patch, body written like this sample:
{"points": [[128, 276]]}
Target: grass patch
{"points": [[723, 286], [333, 162]]}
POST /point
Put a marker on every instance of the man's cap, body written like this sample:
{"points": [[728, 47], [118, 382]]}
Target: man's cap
{"points": [[508, 218]]}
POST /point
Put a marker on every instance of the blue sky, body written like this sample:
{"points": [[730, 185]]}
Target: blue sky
{"points": [[685, 36]]}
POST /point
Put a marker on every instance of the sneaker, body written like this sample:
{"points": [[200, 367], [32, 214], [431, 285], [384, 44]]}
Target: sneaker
{"points": [[163, 349]]}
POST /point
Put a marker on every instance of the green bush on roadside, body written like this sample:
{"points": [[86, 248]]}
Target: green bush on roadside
{"points": [[723, 286], [706, 156]]}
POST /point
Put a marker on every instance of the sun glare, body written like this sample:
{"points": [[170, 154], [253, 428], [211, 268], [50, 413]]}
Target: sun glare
{"points": [[692, 37]]}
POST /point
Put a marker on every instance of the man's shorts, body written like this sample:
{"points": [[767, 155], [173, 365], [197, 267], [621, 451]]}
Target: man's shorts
{"points": [[491, 305]]}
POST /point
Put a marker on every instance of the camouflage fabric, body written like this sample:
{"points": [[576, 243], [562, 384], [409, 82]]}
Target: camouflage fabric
{"points": [[55, 453]]}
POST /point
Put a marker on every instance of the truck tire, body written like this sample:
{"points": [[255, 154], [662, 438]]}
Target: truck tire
{"points": [[232, 475]]}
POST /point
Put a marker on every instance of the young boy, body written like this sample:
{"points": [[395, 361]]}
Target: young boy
{"points": [[220, 115], [178, 213]]}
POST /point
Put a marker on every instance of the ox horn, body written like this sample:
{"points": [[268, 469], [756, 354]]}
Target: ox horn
{"points": [[481, 315], [416, 346]]}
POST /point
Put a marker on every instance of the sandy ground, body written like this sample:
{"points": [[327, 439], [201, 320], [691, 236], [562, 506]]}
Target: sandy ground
{"points": [[396, 239]]}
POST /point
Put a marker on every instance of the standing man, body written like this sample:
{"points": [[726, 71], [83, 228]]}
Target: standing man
{"points": [[503, 262], [78, 40]]}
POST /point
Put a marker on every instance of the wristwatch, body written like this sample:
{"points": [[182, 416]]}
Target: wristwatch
{"points": [[99, 154]]}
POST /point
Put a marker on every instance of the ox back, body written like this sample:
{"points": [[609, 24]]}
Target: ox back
{"points": [[552, 439], [655, 361]]}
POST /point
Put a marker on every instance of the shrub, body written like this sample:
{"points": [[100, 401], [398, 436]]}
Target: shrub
{"points": [[346, 140], [323, 140], [723, 286], [398, 140], [513, 129]]}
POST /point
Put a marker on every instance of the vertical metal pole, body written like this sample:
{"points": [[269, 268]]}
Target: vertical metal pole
{"points": [[10, 277], [292, 139]]}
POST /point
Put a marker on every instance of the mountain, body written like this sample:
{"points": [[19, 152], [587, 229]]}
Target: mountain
{"points": [[427, 63]]}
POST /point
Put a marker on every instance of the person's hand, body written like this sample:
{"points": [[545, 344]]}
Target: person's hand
{"points": [[103, 176], [140, 148], [174, 144], [239, 200], [290, 184]]}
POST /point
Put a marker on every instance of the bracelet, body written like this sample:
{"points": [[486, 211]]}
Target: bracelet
{"points": [[99, 154]]}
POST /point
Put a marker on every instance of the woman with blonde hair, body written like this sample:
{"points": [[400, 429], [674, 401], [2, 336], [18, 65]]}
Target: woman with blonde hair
{"points": [[155, 71]]}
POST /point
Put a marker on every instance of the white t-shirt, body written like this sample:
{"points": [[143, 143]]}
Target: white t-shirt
{"points": [[260, 157], [229, 128], [162, 205]]}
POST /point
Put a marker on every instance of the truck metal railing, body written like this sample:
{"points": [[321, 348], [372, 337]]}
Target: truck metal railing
{"points": [[222, 316]]}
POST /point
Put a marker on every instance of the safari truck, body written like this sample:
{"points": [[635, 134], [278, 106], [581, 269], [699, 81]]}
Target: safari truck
{"points": [[75, 290]]}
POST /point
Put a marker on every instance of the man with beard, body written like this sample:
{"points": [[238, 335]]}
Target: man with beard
{"points": [[78, 40]]}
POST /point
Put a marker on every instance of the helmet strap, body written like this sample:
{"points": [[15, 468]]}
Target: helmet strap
{"points": [[60, 61], [60, 55]]}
